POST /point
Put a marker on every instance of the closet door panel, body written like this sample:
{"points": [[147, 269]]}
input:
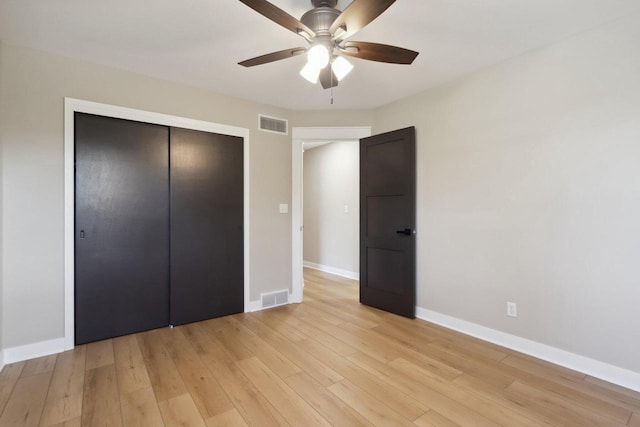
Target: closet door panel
{"points": [[207, 256], [122, 227]]}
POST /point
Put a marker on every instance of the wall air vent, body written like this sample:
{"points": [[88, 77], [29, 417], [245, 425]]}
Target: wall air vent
{"points": [[273, 124], [276, 298]]}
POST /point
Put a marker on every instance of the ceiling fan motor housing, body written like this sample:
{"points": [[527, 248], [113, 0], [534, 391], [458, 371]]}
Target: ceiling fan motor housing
{"points": [[321, 17]]}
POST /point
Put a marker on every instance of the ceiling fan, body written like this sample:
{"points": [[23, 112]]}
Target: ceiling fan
{"points": [[327, 29]]}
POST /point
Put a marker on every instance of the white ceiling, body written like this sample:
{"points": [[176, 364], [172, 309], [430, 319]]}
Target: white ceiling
{"points": [[199, 42]]}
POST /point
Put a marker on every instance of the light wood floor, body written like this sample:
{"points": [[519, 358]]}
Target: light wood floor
{"points": [[327, 361]]}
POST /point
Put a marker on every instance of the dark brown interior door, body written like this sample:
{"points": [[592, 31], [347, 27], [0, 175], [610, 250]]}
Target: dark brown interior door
{"points": [[387, 221], [207, 256], [122, 227]]}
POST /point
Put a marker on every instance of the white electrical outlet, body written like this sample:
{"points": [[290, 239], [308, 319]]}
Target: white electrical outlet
{"points": [[512, 309]]}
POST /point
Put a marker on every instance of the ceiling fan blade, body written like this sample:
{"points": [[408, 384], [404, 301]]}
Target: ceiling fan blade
{"points": [[357, 15], [274, 56], [328, 78], [279, 16], [378, 52]]}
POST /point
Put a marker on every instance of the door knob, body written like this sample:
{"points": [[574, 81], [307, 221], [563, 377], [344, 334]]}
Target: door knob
{"points": [[405, 232]]}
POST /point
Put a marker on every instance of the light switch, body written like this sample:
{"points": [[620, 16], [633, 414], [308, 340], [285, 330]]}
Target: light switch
{"points": [[346, 209], [284, 208]]}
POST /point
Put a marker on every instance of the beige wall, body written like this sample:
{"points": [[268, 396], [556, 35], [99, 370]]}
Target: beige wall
{"points": [[331, 181], [34, 85], [331, 118], [529, 191]]}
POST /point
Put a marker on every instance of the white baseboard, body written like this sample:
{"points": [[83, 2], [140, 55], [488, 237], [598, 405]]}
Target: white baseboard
{"points": [[30, 351], [253, 306], [332, 270], [45, 348], [594, 368]]}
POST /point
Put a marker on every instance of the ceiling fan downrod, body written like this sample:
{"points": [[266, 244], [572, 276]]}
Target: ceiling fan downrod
{"points": [[324, 3]]}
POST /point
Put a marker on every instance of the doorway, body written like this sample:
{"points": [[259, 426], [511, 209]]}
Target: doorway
{"points": [[331, 207], [300, 135], [73, 106], [158, 226]]}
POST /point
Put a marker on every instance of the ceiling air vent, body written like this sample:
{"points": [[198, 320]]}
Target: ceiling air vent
{"points": [[273, 124]]}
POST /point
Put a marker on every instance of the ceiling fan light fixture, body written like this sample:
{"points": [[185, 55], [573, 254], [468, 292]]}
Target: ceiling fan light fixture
{"points": [[310, 72], [340, 31], [318, 56], [341, 67]]}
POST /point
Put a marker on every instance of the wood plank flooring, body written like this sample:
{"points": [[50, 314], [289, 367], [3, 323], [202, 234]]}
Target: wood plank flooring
{"points": [[327, 361]]}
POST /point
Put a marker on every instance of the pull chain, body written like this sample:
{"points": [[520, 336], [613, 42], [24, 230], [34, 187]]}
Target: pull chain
{"points": [[331, 84]]}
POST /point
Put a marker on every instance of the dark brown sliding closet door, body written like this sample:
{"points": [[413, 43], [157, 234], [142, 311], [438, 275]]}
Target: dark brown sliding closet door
{"points": [[122, 227], [206, 225]]}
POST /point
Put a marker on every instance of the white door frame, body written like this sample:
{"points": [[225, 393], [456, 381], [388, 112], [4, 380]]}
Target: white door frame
{"points": [[300, 135], [72, 106]]}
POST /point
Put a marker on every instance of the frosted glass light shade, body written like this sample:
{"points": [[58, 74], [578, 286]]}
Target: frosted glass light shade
{"points": [[310, 72], [341, 67], [318, 55]]}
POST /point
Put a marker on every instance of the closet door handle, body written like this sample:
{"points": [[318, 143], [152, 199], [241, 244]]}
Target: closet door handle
{"points": [[405, 232]]}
